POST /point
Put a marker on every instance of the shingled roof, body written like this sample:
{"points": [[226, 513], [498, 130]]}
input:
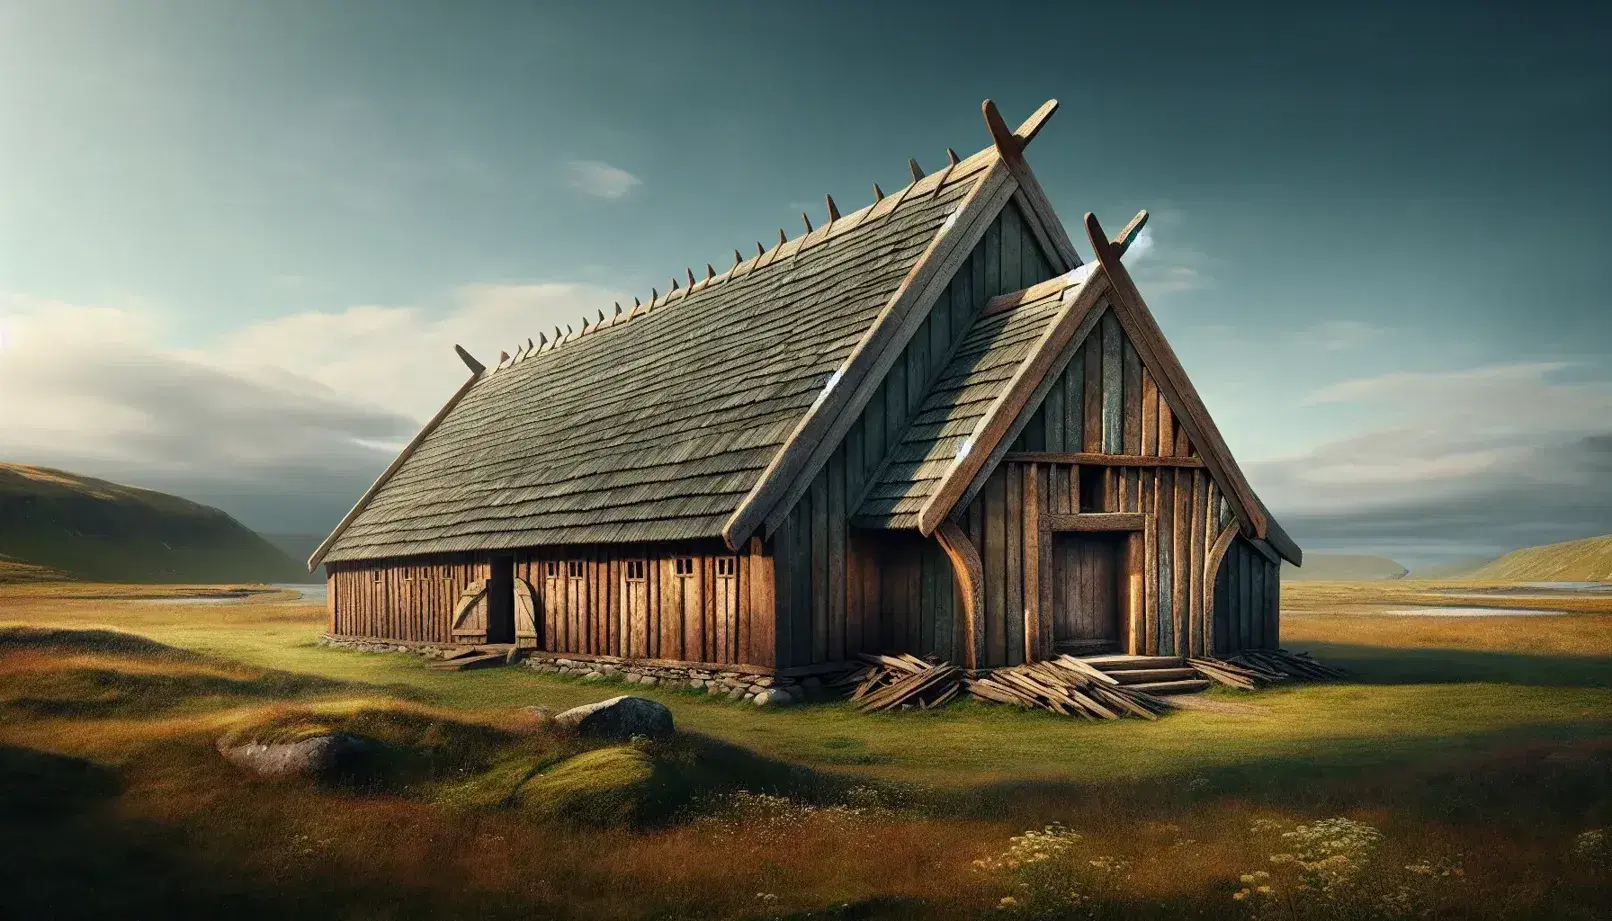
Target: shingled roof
{"points": [[996, 352], [654, 425]]}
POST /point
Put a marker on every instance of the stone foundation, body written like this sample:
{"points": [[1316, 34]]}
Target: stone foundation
{"points": [[761, 690]]}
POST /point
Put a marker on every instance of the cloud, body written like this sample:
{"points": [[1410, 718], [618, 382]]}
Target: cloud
{"points": [[601, 179], [1487, 458], [1165, 269], [282, 423]]}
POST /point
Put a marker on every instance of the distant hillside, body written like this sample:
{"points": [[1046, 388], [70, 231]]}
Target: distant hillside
{"points": [[1587, 560], [100, 531], [1458, 568], [299, 547], [1342, 567]]}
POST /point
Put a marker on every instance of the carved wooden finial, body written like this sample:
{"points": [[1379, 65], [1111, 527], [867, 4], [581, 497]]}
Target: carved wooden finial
{"points": [[503, 357], [618, 309], [833, 210], [568, 329], [475, 366], [542, 340], [710, 273], [1031, 126], [690, 276], [653, 297], [878, 193], [529, 344], [737, 259], [601, 315], [781, 238], [805, 220], [952, 156], [674, 285], [1006, 144], [636, 302], [1129, 233], [917, 171], [760, 250]]}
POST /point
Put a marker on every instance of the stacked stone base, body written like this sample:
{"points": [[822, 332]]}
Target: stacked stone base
{"points": [[760, 690]]}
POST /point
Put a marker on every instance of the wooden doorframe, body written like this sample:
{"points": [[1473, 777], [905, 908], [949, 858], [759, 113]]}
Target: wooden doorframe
{"points": [[1038, 611]]}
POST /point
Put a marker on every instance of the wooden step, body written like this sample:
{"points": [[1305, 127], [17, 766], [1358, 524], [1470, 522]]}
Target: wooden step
{"points": [[1165, 688], [1132, 676], [465, 663], [1117, 662]]}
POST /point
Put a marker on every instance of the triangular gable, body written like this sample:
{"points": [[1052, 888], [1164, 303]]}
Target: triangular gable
{"points": [[824, 427], [926, 496]]}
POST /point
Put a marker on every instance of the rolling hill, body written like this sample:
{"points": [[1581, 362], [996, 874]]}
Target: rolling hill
{"points": [[1586, 560], [96, 530], [1342, 567]]}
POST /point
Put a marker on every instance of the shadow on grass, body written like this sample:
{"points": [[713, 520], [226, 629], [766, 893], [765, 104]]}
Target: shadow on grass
{"points": [[1388, 665], [1534, 777], [168, 679]]}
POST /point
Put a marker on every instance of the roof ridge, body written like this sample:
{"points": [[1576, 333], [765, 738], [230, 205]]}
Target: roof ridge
{"points": [[955, 171]]}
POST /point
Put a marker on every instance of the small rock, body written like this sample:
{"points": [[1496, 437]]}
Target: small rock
{"points": [[772, 698], [713, 689], [620, 718], [307, 757], [736, 694], [594, 676]]}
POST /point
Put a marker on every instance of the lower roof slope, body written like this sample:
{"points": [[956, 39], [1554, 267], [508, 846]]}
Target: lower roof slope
{"points": [[655, 426], [945, 428]]}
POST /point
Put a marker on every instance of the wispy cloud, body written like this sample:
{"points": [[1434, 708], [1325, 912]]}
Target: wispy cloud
{"points": [[1163, 268], [1337, 335], [282, 423], [1516, 453], [601, 180]]}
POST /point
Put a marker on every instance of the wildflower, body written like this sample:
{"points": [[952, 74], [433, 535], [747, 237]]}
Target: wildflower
{"points": [[1008, 901], [1240, 894]]}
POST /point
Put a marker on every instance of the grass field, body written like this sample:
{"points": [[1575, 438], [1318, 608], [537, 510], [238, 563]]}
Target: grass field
{"points": [[1468, 765]]}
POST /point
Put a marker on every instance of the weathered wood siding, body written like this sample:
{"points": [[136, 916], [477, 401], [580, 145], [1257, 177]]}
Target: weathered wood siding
{"points": [[1106, 402], [410, 599], [832, 602], [1247, 601], [718, 612]]}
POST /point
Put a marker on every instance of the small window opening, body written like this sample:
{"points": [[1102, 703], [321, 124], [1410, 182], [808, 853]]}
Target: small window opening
{"points": [[635, 570], [551, 570], [573, 568], [1091, 489], [684, 566], [726, 566]]}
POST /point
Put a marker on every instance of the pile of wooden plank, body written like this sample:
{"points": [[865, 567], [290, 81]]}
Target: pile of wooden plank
{"points": [[1067, 686], [902, 682], [1279, 664], [1234, 676]]}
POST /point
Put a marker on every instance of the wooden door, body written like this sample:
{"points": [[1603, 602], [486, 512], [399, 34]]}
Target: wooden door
{"points": [[1088, 569]]}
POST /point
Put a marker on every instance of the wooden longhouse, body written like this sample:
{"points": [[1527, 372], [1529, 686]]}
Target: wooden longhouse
{"points": [[926, 426]]}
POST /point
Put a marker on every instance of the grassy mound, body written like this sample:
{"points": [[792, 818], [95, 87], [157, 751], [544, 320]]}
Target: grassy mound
{"points": [[105, 673]]}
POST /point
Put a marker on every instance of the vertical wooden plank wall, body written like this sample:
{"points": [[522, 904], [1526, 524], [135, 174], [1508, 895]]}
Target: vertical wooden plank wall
{"points": [[1247, 601], [409, 599], [719, 613], [1106, 401], [840, 593]]}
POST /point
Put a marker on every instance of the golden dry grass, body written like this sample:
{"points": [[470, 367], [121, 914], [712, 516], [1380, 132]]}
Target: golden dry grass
{"points": [[1498, 759]]}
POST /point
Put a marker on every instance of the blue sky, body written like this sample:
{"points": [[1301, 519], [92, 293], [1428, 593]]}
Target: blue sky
{"points": [[238, 240]]}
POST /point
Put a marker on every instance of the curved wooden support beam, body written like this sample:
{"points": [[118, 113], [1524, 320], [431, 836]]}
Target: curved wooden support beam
{"points": [[970, 573], [1211, 567], [475, 366]]}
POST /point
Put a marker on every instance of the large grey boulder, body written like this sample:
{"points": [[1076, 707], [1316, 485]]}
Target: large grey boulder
{"points": [[620, 718], [303, 758]]}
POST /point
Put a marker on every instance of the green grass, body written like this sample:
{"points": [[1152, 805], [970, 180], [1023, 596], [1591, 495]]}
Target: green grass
{"points": [[1484, 739]]}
